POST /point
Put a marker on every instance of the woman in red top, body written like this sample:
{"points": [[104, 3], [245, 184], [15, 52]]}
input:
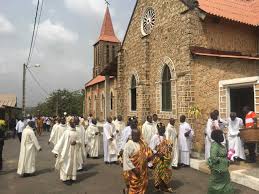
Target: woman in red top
{"points": [[249, 122]]}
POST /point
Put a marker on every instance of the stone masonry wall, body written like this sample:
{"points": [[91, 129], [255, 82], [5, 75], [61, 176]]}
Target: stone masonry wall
{"points": [[220, 34], [100, 59], [194, 80], [144, 58], [94, 102], [208, 72]]}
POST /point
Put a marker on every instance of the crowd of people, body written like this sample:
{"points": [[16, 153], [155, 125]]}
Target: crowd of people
{"points": [[127, 144], [137, 148], [223, 147]]}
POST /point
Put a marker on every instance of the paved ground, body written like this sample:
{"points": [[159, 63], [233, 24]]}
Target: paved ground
{"points": [[97, 179]]}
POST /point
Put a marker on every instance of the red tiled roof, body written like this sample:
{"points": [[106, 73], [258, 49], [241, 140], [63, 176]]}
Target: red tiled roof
{"points": [[96, 80], [107, 32], [244, 11]]}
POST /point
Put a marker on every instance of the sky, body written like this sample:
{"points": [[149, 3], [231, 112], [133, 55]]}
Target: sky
{"points": [[64, 45]]}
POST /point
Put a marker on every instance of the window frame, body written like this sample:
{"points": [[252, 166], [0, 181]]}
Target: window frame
{"points": [[107, 54], [133, 93], [166, 90], [111, 101]]}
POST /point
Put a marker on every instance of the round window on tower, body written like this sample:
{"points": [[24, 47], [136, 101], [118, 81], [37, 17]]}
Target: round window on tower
{"points": [[148, 21]]}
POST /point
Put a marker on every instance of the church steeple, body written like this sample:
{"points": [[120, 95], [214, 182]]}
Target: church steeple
{"points": [[107, 46], [107, 31]]}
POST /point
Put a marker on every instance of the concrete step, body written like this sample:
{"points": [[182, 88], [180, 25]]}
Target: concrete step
{"points": [[241, 173]]}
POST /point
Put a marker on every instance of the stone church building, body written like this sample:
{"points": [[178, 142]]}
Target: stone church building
{"points": [[178, 54], [105, 55]]}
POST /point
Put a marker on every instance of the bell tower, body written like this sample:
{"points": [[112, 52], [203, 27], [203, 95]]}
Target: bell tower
{"points": [[107, 46]]}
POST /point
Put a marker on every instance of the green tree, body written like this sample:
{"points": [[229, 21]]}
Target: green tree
{"points": [[61, 101]]}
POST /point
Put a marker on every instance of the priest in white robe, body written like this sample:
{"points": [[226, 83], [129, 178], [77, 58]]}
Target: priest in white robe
{"points": [[93, 139], [84, 141], [52, 138], [87, 137], [149, 129], [57, 131], [109, 142], [126, 133], [66, 152], [28, 151], [234, 141], [208, 140], [212, 124], [172, 135], [155, 120], [119, 127], [186, 134]]}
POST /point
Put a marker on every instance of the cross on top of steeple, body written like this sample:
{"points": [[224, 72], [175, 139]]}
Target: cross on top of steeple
{"points": [[107, 3], [107, 31]]}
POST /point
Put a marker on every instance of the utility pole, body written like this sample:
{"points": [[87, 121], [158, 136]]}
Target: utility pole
{"points": [[23, 88], [25, 67]]}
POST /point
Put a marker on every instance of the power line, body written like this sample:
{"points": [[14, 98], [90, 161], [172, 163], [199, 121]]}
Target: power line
{"points": [[37, 20], [33, 32], [37, 29], [37, 82], [30, 89]]}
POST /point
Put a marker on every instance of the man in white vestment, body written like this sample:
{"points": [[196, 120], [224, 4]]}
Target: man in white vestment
{"points": [[84, 141], [186, 134], [109, 142], [172, 135], [66, 152], [87, 137], [28, 151], [119, 126], [20, 127], [149, 129], [90, 118], [156, 140], [93, 139], [57, 131], [114, 119], [126, 133], [155, 120], [234, 141], [212, 124], [221, 122]]}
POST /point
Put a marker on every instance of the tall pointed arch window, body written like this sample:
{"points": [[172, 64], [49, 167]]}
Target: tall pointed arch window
{"points": [[113, 52], [107, 54], [112, 101], [133, 93], [166, 90]]}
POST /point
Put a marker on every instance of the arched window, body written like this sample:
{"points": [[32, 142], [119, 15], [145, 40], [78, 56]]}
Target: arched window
{"points": [[107, 54], [133, 93], [113, 52], [166, 90], [111, 101]]}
